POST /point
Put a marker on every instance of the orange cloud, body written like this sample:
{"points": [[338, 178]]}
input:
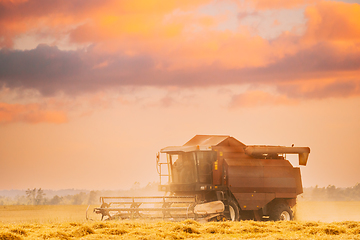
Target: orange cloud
{"points": [[95, 20], [147, 29], [257, 98], [333, 21], [279, 4], [319, 89], [176, 44], [29, 113], [228, 50], [171, 43]]}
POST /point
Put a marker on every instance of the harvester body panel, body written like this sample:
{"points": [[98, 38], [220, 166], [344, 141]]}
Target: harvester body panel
{"points": [[256, 182]]}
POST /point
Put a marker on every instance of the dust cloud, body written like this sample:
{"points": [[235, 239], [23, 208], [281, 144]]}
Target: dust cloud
{"points": [[327, 211]]}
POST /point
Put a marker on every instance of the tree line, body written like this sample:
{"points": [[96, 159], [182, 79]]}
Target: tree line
{"points": [[332, 193], [36, 196]]}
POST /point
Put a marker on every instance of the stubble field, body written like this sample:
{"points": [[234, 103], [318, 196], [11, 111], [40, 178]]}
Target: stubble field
{"points": [[315, 220]]}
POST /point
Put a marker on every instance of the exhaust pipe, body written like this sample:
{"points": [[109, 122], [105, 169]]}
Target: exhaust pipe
{"points": [[303, 152]]}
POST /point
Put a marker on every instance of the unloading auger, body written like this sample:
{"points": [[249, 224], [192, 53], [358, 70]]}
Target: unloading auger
{"points": [[215, 178]]}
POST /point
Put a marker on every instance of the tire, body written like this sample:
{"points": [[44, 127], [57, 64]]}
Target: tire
{"points": [[281, 212], [234, 214]]}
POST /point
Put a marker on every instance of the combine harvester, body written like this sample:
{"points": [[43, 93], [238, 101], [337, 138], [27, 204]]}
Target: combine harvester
{"points": [[216, 178]]}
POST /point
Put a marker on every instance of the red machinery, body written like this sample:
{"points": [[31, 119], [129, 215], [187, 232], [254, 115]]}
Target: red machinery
{"points": [[218, 177]]}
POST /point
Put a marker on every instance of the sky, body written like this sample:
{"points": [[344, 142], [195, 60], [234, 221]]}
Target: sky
{"points": [[91, 90]]}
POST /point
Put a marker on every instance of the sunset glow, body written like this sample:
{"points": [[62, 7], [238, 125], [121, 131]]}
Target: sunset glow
{"points": [[90, 91]]}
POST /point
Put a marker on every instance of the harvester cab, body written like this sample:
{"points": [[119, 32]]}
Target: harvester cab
{"points": [[187, 171], [215, 177]]}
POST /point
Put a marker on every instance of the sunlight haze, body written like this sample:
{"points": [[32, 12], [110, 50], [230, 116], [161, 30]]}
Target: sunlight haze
{"points": [[90, 91]]}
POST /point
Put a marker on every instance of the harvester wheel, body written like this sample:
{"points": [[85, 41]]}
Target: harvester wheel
{"points": [[234, 214], [281, 212]]}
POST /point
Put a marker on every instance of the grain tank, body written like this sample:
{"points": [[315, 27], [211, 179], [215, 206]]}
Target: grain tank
{"points": [[252, 182]]}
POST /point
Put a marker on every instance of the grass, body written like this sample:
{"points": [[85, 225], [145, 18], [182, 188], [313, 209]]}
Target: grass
{"points": [[15, 214], [68, 222]]}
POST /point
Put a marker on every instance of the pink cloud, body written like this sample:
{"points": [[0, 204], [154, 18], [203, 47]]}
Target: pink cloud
{"points": [[140, 43]]}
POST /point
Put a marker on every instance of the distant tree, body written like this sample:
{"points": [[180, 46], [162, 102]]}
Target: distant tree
{"points": [[56, 200], [93, 197], [30, 195], [79, 198], [35, 196], [332, 193], [21, 200], [39, 199], [67, 200], [354, 192]]}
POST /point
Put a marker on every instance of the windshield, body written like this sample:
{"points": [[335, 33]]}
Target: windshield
{"points": [[192, 167], [205, 161], [183, 168]]}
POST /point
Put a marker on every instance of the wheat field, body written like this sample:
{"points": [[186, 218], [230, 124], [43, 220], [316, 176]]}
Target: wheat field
{"points": [[188, 229], [68, 222]]}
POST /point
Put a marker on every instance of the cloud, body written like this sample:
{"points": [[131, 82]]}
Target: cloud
{"points": [[44, 68], [244, 14], [49, 70], [340, 88], [318, 61], [279, 4], [87, 20], [29, 113], [333, 21], [142, 43], [41, 16], [257, 98]]}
